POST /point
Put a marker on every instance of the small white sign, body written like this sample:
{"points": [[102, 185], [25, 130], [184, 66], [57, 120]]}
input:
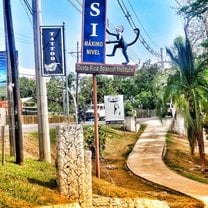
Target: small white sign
{"points": [[2, 117], [114, 108]]}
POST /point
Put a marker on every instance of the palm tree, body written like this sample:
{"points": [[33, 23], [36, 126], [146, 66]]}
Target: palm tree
{"points": [[188, 88]]}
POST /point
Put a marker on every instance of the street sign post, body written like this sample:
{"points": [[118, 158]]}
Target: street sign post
{"points": [[93, 51], [93, 55], [2, 125]]}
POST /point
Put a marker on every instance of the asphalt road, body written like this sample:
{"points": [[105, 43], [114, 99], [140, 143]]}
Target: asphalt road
{"points": [[34, 127]]}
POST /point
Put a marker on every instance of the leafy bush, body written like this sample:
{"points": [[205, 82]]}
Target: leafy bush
{"points": [[128, 108], [89, 139]]}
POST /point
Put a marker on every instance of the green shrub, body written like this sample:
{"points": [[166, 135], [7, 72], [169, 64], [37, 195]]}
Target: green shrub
{"points": [[89, 139]]}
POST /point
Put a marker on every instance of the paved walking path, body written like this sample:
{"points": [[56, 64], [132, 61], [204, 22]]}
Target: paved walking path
{"points": [[146, 161]]}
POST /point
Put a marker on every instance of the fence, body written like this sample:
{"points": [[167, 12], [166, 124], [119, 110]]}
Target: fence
{"points": [[33, 119], [140, 113]]}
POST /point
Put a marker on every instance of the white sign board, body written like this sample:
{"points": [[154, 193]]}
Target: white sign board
{"points": [[114, 109], [2, 117]]}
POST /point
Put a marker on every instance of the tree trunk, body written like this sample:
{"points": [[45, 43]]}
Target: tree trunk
{"points": [[191, 139], [200, 141]]}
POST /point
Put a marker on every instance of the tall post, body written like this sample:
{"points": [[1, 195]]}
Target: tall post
{"points": [[77, 85], [10, 104], [43, 126], [162, 58], [3, 143], [10, 101], [97, 149], [14, 85], [64, 96], [66, 77]]}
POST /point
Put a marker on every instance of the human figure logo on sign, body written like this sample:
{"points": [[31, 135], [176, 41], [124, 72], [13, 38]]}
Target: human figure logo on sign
{"points": [[114, 109]]}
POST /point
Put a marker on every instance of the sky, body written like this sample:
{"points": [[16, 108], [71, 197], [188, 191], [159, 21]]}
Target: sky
{"points": [[157, 20]]}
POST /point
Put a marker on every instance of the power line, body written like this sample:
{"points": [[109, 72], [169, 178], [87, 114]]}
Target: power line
{"points": [[133, 25], [19, 38], [142, 24], [27, 7], [79, 2], [126, 14], [74, 5]]}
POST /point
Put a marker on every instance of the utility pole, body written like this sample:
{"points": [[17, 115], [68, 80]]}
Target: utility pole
{"points": [[162, 58], [10, 103], [77, 86], [66, 77], [13, 86], [43, 126]]}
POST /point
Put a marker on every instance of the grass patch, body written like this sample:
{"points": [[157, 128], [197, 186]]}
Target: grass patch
{"points": [[179, 159], [131, 145], [33, 184], [28, 185], [52, 133], [117, 181], [104, 188]]}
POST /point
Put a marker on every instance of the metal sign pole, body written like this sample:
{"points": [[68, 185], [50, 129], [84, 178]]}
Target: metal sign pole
{"points": [[97, 149], [3, 144]]}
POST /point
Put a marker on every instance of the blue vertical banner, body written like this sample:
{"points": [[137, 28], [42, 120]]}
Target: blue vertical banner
{"points": [[52, 51], [3, 74], [93, 31]]}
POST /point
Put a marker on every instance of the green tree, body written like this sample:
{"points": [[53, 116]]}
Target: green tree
{"points": [[55, 95], [85, 92], [138, 90], [27, 87], [144, 100], [195, 13], [145, 91], [188, 88], [195, 8], [105, 86]]}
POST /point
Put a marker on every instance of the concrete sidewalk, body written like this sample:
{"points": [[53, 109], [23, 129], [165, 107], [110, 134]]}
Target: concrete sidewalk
{"points": [[146, 161]]}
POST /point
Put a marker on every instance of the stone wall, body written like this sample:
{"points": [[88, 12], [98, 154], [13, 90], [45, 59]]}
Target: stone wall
{"points": [[106, 202], [74, 175], [73, 165], [72, 205]]}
